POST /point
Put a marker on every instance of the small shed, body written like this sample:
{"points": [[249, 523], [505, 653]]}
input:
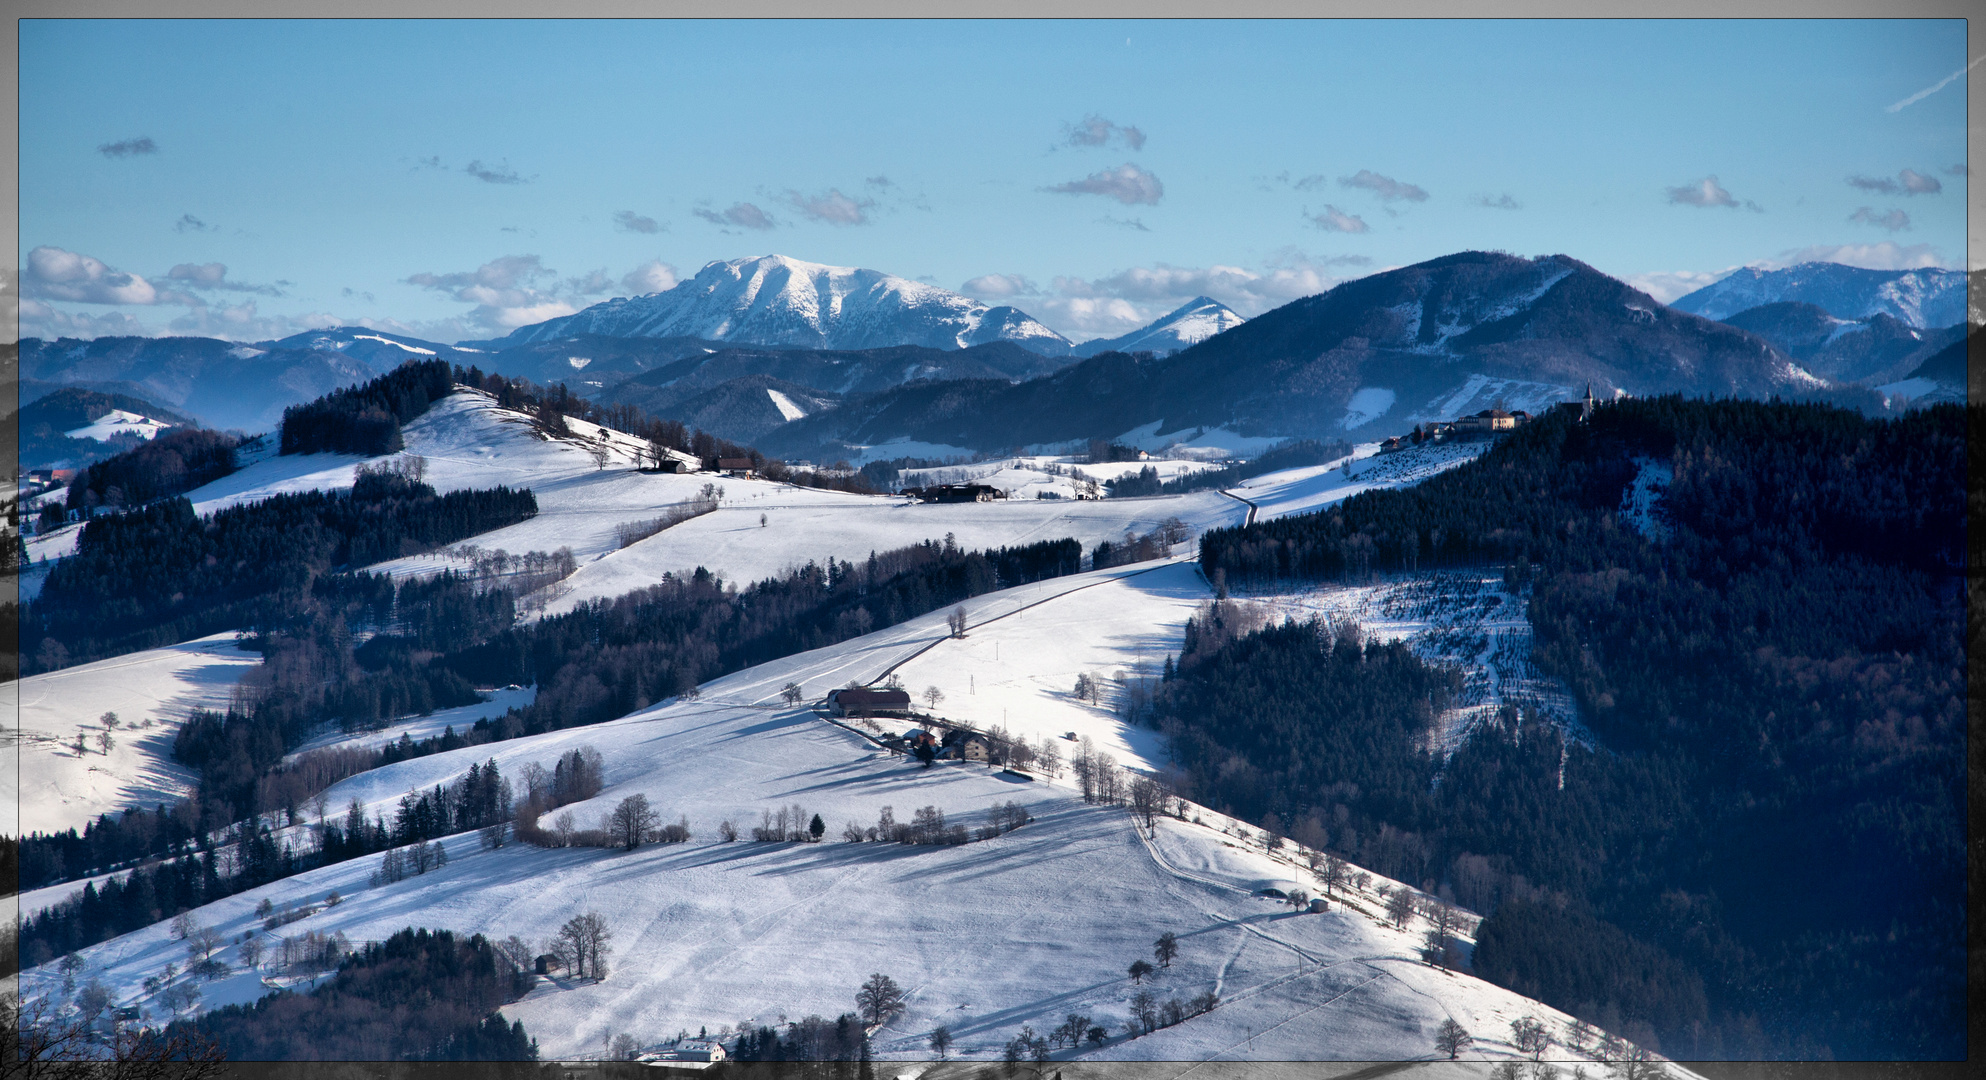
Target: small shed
{"points": [[869, 701], [675, 461]]}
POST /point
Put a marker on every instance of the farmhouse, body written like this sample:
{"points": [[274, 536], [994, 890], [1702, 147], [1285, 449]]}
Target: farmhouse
{"points": [[868, 701], [675, 461], [736, 466], [954, 493]]}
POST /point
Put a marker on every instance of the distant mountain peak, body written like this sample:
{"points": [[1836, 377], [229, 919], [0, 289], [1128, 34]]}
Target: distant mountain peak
{"points": [[1925, 298], [777, 300], [1186, 325]]}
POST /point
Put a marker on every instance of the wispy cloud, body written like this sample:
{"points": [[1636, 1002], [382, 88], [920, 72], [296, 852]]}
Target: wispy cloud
{"points": [[1086, 308], [1907, 182], [1385, 187], [1668, 286], [128, 147], [1127, 223], [189, 223], [833, 208], [1960, 169], [1894, 220], [744, 215], [1336, 220], [629, 221], [1933, 88], [493, 174], [880, 182], [1501, 202], [214, 276], [1126, 183], [1094, 130]]}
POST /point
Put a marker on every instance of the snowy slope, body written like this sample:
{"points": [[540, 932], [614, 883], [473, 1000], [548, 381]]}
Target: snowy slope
{"points": [[1189, 324], [1301, 491], [56, 788], [119, 422], [986, 937], [1923, 298], [775, 300]]}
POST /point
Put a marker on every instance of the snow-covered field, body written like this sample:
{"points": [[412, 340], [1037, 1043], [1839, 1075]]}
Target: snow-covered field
{"points": [[1302, 491], [985, 938], [1046, 475], [57, 788], [119, 422]]}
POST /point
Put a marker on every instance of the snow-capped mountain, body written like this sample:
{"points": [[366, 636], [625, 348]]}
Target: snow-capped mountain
{"points": [[1925, 299], [1191, 323], [775, 300], [223, 383]]}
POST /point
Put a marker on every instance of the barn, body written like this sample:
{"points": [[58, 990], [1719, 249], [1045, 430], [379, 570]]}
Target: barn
{"points": [[868, 701]]}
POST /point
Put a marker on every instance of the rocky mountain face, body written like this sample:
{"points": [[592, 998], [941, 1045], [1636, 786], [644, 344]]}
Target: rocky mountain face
{"points": [[779, 301], [1923, 299], [1191, 323], [1865, 351]]}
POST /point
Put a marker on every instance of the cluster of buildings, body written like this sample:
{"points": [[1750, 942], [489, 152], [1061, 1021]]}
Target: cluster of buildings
{"points": [[955, 743], [1486, 422]]}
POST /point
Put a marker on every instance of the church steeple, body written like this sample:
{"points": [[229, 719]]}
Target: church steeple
{"points": [[1586, 410]]}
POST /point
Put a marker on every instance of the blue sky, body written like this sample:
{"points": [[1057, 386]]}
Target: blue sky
{"points": [[457, 179]]}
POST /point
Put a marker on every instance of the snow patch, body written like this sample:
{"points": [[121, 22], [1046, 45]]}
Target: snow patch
{"points": [[1368, 403], [395, 344], [578, 363], [785, 405], [1641, 504], [245, 352]]}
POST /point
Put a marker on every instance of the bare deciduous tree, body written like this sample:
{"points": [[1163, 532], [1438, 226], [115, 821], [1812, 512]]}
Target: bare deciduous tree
{"points": [[1451, 1038], [632, 822], [585, 941], [879, 1000]]}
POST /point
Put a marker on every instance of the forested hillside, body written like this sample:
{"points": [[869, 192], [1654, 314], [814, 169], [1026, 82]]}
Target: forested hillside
{"points": [[1774, 667], [163, 574]]}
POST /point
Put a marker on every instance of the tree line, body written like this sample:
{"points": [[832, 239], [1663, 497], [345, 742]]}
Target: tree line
{"points": [[366, 419], [170, 464], [1776, 674], [162, 573], [420, 995]]}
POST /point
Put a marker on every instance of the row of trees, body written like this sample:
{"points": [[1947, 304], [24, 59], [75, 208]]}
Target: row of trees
{"points": [[172, 463]]}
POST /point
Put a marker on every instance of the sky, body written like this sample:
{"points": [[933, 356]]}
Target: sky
{"points": [[454, 180]]}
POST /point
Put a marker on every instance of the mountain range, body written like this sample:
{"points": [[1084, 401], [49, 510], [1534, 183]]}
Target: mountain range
{"points": [[1923, 299], [1371, 357], [1866, 351], [775, 300]]}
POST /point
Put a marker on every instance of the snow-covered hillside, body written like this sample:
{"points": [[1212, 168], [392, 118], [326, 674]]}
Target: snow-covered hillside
{"points": [[775, 300], [1189, 324], [119, 422], [151, 692], [986, 937]]}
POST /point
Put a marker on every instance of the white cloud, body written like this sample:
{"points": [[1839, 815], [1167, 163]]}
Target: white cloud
{"points": [[1385, 187], [41, 320], [833, 208], [652, 276], [55, 274], [1126, 183], [215, 276], [1933, 88], [1704, 192], [1084, 308], [506, 291], [1336, 220], [1885, 255], [1668, 286], [1894, 220]]}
